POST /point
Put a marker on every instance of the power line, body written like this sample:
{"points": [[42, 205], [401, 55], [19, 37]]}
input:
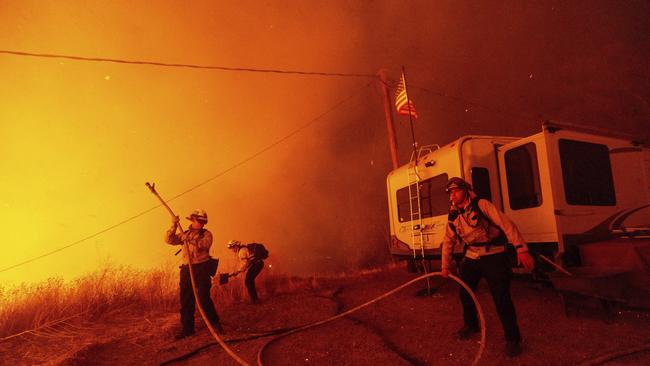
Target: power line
{"points": [[479, 105], [191, 66], [244, 69], [392, 83], [291, 134], [79, 241], [223, 172]]}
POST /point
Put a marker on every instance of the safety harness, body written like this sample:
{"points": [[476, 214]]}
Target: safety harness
{"points": [[500, 240]]}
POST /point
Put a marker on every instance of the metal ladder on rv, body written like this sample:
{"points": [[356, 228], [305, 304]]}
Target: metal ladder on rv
{"points": [[417, 237]]}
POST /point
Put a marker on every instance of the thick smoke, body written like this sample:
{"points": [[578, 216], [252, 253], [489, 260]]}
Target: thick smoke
{"points": [[318, 196]]}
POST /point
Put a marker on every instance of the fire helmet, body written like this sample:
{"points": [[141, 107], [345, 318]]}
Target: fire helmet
{"points": [[199, 215], [456, 182], [233, 243]]}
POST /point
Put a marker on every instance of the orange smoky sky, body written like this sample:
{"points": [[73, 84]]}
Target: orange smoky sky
{"points": [[79, 139]]}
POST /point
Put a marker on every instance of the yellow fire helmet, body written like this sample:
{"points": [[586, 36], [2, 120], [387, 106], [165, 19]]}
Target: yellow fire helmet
{"points": [[199, 214], [233, 243]]}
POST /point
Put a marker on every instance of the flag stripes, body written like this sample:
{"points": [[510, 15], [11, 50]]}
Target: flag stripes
{"points": [[403, 104]]}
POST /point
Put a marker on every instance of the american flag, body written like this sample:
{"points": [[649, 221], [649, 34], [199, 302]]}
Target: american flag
{"points": [[403, 104]]}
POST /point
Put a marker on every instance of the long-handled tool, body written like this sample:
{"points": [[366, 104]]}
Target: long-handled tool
{"points": [[152, 188], [557, 266]]}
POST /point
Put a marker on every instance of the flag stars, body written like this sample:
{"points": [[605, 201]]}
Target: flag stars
{"points": [[107, 77], [530, 76]]}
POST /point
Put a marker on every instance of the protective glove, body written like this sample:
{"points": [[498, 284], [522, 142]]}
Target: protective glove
{"points": [[175, 221], [525, 259]]}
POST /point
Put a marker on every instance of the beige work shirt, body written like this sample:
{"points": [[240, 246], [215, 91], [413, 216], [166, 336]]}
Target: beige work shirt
{"points": [[471, 230], [245, 259], [198, 243]]}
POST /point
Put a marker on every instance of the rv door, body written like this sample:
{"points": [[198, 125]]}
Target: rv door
{"points": [[526, 188], [598, 182]]}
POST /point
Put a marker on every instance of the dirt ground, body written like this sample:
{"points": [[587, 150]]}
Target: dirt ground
{"points": [[403, 329]]}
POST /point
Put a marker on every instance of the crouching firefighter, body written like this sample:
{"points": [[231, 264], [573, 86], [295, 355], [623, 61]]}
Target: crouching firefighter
{"points": [[484, 232], [251, 260], [198, 242]]}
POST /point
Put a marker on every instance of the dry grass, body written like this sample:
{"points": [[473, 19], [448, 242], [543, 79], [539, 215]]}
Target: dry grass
{"points": [[270, 285], [41, 308], [111, 290]]}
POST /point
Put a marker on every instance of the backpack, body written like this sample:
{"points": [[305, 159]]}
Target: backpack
{"points": [[258, 250]]}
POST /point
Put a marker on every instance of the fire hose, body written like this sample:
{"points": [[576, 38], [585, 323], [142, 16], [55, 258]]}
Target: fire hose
{"points": [[479, 311], [240, 361], [279, 333], [223, 345]]}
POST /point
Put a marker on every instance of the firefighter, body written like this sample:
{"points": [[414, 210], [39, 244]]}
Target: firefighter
{"points": [[199, 241], [484, 231], [247, 263]]}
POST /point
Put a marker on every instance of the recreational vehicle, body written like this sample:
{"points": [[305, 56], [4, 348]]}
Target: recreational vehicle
{"points": [[563, 187]]}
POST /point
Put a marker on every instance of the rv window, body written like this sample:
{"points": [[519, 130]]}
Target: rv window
{"points": [[433, 199], [587, 173], [481, 183], [522, 175]]}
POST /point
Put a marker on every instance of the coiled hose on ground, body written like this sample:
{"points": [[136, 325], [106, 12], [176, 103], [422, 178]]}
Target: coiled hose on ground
{"points": [[479, 353], [279, 333]]}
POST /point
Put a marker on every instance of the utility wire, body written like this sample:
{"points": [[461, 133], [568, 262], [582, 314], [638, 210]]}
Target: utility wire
{"points": [[269, 147], [80, 240], [391, 86], [479, 105], [245, 69], [223, 172], [191, 66]]}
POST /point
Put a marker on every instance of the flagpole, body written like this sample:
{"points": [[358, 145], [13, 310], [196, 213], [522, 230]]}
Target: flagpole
{"points": [[408, 104]]}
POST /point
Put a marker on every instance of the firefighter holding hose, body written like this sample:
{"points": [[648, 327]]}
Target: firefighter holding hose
{"points": [[484, 232], [199, 241]]}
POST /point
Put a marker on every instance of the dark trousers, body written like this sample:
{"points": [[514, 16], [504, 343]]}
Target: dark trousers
{"points": [[496, 270], [203, 285], [251, 273]]}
